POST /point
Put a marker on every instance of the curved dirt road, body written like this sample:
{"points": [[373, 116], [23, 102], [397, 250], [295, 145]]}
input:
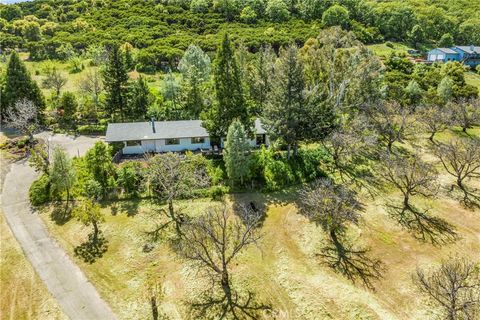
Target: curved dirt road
{"points": [[75, 294]]}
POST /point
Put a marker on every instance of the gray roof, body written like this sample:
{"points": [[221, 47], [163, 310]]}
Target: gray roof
{"points": [[468, 49], [163, 130], [446, 50]]}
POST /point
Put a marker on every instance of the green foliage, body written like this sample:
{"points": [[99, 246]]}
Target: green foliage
{"points": [[236, 153], [162, 31], [39, 192], [248, 15], [230, 100], [62, 173], [92, 129], [446, 41], [115, 80], [129, 177], [88, 213], [18, 86], [140, 99], [98, 162], [277, 172], [67, 108], [277, 10], [11, 12], [336, 15]]}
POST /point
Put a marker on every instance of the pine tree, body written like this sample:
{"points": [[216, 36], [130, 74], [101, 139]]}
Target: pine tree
{"points": [[19, 86], [139, 99], [195, 69], [236, 153], [230, 101], [284, 113], [115, 79]]}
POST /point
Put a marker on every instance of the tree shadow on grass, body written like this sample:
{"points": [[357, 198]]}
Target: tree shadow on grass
{"points": [[129, 206], [220, 306], [352, 262], [470, 199], [61, 214], [424, 226], [93, 248]]}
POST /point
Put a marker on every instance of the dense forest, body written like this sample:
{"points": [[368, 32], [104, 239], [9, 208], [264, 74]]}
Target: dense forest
{"points": [[162, 30]]}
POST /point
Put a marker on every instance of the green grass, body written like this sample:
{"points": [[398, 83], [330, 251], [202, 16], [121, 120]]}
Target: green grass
{"points": [[383, 50], [473, 79]]}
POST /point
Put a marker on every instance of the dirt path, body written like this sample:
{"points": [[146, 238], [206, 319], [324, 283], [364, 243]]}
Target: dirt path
{"points": [[75, 294]]}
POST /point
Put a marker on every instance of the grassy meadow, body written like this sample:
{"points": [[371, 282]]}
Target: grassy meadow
{"points": [[285, 270]]}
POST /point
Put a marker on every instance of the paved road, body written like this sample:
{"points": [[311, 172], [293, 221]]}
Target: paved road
{"points": [[76, 296]]}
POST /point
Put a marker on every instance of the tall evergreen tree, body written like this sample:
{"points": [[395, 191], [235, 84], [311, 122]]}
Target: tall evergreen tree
{"points": [[115, 79], [230, 101], [19, 86], [236, 155], [195, 69], [139, 99], [259, 78], [284, 112]]}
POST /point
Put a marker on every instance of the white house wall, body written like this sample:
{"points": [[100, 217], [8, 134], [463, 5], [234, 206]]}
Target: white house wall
{"points": [[160, 146]]}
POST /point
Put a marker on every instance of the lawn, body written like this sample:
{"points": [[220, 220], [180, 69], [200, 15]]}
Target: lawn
{"points": [[383, 50], [285, 270]]}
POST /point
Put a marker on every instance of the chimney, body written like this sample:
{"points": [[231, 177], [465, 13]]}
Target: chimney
{"points": [[153, 124], [472, 47]]}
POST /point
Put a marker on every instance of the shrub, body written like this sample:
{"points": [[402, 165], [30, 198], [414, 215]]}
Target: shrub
{"points": [[389, 44], [92, 129], [130, 177], [217, 192], [39, 192]]}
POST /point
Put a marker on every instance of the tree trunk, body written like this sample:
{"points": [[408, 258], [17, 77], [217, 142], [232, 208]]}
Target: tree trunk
{"points": [[95, 231], [153, 304], [289, 147], [431, 136]]}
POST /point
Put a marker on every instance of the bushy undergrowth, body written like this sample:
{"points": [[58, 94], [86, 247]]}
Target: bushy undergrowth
{"points": [[39, 192]]}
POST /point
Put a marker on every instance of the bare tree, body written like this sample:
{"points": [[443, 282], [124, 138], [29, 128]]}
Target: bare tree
{"points": [[172, 177], [92, 84], [461, 159], [454, 288], [348, 144], [413, 177], [54, 80], [212, 242], [466, 113], [333, 207], [435, 119], [24, 117], [391, 121]]}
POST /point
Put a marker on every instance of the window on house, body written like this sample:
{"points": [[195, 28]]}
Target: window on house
{"points": [[198, 140], [134, 143], [174, 141]]}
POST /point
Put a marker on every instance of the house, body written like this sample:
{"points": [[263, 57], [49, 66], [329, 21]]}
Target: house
{"points": [[468, 55], [169, 136]]}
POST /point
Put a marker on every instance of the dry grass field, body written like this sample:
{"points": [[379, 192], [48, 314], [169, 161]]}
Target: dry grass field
{"points": [[285, 271]]}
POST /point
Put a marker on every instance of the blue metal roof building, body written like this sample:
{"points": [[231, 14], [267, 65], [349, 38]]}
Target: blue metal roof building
{"points": [[468, 55]]}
